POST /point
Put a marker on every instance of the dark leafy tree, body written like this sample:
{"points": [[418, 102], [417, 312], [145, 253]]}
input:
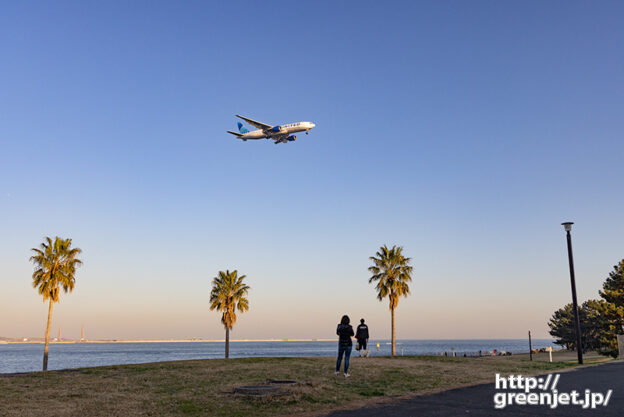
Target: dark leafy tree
{"points": [[592, 324], [613, 310], [590, 316], [613, 287], [562, 327], [601, 320]]}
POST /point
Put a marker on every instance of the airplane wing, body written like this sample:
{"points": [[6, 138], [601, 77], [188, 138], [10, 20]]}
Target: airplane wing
{"points": [[256, 124]]}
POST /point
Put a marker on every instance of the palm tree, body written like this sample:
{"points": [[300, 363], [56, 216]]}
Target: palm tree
{"points": [[228, 294], [55, 267], [392, 272]]}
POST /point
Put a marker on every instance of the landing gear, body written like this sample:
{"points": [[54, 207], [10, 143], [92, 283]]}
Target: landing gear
{"points": [[307, 131]]}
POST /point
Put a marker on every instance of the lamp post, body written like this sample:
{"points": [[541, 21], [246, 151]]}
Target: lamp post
{"points": [[577, 324]]}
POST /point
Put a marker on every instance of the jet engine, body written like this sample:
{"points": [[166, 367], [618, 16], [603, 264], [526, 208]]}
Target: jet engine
{"points": [[275, 129], [291, 138]]}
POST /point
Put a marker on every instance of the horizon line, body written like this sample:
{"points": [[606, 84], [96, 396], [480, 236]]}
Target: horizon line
{"points": [[196, 340]]}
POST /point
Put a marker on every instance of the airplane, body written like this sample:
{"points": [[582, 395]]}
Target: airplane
{"points": [[279, 133]]}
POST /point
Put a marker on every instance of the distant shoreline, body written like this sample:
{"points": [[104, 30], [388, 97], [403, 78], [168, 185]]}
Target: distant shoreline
{"points": [[41, 341], [12, 342]]}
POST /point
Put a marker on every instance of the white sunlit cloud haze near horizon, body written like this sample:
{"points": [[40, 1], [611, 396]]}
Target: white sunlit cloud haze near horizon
{"points": [[465, 133]]}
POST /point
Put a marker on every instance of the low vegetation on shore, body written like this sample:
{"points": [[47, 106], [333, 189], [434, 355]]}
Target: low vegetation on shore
{"points": [[206, 387]]}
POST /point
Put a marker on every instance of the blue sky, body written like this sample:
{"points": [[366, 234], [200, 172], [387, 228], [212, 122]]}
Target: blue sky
{"points": [[464, 131]]}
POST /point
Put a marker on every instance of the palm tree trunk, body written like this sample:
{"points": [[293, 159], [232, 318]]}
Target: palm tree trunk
{"points": [[47, 338], [227, 343], [393, 335]]}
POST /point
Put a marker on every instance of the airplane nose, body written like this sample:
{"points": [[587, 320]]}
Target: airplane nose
{"points": [[313, 125]]}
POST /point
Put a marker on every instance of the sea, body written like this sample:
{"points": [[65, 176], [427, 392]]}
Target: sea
{"points": [[28, 357]]}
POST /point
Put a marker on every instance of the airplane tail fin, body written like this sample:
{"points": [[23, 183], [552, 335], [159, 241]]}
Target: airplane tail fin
{"points": [[241, 128], [238, 135]]}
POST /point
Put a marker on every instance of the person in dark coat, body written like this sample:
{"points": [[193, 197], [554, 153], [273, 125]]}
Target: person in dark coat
{"points": [[345, 332], [362, 335]]}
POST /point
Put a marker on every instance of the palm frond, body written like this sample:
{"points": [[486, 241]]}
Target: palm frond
{"points": [[228, 294], [392, 273], [55, 267]]}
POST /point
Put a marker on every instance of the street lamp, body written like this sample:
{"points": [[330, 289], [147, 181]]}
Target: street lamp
{"points": [[577, 324]]}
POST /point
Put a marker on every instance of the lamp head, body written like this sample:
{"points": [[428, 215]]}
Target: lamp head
{"points": [[567, 226]]}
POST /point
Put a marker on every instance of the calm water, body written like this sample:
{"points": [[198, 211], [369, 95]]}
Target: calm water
{"points": [[29, 357]]}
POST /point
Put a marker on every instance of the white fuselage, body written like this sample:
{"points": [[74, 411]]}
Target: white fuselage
{"points": [[279, 131]]}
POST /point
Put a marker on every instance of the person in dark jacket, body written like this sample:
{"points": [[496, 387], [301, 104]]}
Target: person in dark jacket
{"points": [[345, 332], [362, 335]]}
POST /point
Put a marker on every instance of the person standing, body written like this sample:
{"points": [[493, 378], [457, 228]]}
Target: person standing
{"points": [[362, 335], [344, 332]]}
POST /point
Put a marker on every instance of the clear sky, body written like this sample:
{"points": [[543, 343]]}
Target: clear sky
{"points": [[465, 132]]}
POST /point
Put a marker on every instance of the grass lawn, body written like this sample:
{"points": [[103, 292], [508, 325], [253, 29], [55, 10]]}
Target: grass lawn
{"points": [[205, 387]]}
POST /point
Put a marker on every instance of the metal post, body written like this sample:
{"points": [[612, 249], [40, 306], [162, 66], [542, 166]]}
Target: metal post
{"points": [[577, 323], [530, 347]]}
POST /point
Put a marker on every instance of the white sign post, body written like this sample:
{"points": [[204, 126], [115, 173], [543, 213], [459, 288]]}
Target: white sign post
{"points": [[549, 349]]}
